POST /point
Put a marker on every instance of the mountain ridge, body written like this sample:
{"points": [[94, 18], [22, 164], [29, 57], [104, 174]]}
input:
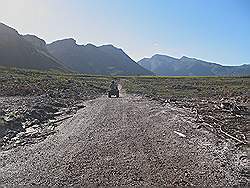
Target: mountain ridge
{"points": [[17, 52], [31, 52], [86, 58], [164, 65]]}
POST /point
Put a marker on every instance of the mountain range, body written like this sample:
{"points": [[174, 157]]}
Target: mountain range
{"points": [[168, 66], [90, 59], [31, 52]]}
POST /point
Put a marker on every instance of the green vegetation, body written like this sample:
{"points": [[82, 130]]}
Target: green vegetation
{"points": [[29, 83], [189, 87], [15, 82]]}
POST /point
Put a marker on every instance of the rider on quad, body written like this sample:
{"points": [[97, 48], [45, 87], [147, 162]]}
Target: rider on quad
{"points": [[113, 85], [113, 89]]}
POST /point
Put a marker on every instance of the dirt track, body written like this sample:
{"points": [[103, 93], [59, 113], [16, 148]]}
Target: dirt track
{"points": [[125, 141]]}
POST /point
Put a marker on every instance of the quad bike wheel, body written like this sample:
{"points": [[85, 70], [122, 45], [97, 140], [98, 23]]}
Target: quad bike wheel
{"points": [[113, 93]]}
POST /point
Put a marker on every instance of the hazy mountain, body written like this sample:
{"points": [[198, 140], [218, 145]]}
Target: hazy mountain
{"points": [[16, 51], [169, 66], [90, 59], [31, 52]]}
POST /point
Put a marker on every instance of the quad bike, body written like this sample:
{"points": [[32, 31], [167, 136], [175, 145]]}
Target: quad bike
{"points": [[113, 92]]}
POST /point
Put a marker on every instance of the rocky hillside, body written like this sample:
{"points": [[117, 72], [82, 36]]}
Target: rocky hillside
{"points": [[185, 66], [90, 59], [17, 51]]}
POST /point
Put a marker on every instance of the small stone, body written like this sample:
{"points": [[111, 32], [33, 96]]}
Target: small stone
{"points": [[18, 142], [31, 130], [35, 126]]}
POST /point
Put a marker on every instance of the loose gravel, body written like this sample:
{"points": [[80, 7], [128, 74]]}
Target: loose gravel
{"points": [[129, 141]]}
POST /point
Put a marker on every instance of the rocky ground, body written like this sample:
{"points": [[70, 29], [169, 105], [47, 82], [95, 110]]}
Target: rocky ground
{"points": [[33, 104], [130, 141], [143, 139], [226, 118], [221, 104], [27, 120]]}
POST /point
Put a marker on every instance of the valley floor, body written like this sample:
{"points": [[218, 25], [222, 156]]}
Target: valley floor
{"points": [[126, 141]]}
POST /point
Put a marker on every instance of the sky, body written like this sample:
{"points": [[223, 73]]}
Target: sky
{"points": [[212, 30]]}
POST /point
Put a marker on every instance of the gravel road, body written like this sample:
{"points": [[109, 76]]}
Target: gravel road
{"points": [[126, 141]]}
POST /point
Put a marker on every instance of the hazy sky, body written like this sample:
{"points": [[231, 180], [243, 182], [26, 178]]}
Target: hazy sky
{"points": [[213, 30]]}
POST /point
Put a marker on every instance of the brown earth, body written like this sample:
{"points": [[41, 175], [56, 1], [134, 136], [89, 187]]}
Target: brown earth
{"points": [[124, 142]]}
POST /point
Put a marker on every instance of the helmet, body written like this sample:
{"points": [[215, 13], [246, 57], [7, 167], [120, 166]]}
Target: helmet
{"points": [[113, 82]]}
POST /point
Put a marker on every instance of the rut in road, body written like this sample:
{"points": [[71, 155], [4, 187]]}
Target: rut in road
{"points": [[124, 141]]}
